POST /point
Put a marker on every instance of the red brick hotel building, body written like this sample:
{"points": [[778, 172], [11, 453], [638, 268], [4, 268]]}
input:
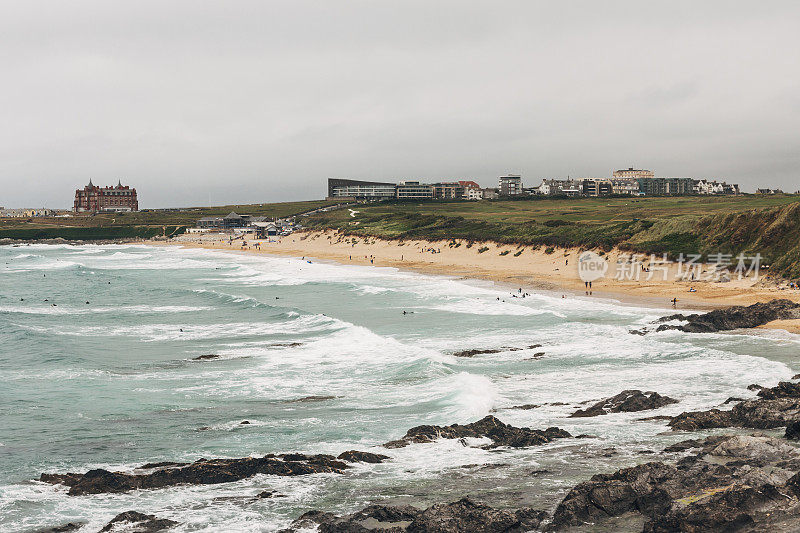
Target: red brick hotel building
{"points": [[93, 198]]}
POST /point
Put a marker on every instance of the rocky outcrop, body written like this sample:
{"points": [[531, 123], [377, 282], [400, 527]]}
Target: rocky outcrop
{"points": [[735, 317], [479, 351], [201, 472], [206, 357], [456, 517], [627, 401], [64, 528], [135, 522], [723, 483], [774, 407], [354, 456], [792, 431], [490, 427]]}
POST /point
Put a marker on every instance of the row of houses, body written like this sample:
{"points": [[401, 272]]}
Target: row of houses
{"points": [[27, 213], [628, 181], [260, 227], [347, 189], [635, 187]]}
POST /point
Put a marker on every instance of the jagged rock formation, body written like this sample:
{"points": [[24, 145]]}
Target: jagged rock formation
{"points": [[135, 522], [481, 351], [735, 317], [627, 401], [200, 472], [501, 434], [456, 517], [774, 407], [354, 456], [727, 483]]}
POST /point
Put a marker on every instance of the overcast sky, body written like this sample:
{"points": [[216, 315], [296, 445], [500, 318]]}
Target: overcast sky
{"points": [[196, 102]]}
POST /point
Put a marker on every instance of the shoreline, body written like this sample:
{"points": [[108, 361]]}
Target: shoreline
{"points": [[509, 266]]}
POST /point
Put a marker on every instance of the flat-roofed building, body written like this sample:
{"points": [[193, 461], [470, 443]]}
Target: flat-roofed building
{"points": [[407, 190], [625, 186], [666, 186], [364, 190], [510, 185], [448, 190], [596, 187], [634, 173]]}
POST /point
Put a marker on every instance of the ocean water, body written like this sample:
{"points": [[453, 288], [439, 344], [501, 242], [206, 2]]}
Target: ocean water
{"points": [[105, 379]]}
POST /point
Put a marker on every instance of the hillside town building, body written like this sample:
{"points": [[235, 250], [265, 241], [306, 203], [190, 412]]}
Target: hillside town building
{"points": [[630, 182], [633, 173], [119, 198], [510, 185]]}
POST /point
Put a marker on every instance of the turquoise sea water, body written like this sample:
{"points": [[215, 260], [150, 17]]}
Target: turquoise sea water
{"points": [[105, 378]]}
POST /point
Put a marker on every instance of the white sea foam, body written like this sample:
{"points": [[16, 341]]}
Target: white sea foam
{"points": [[132, 309], [172, 332]]}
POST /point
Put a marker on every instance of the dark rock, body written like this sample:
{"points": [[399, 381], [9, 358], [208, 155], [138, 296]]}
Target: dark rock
{"points": [[163, 464], [306, 399], [135, 522], [526, 407], [694, 420], [206, 357], [784, 389], [537, 355], [501, 434], [754, 387], [655, 417], [796, 376], [244, 422], [735, 317], [467, 515], [269, 494], [775, 407], [626, 401], [65, 528], [461, 516], [731, 508], [353, 456], [729, 481], [732, 400], [477, 351], [482, 351], [640, 332], [793, 431], [201, 472]]}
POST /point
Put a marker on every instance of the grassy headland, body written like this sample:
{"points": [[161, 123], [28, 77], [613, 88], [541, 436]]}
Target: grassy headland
{"points": [[142, 224], [769, 225]]}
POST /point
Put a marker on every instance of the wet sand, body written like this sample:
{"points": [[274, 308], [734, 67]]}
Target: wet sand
{"points": [[526, 267]]}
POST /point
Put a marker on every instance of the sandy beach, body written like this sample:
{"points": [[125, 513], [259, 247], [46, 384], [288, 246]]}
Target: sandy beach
{"points": [[629, 279]]}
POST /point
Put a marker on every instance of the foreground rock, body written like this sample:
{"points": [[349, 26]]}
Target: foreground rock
{"points": [[627, 401], [735, 317], [774, 407], [490, 427], [726, 483], [201, 472], [456, 517], [135, 522]]}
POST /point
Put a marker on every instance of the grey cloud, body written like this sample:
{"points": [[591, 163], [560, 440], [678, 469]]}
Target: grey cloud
{"points": [[198, 101]]}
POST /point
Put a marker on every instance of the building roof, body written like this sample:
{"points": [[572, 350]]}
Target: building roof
{"points": [[232, 214]]}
